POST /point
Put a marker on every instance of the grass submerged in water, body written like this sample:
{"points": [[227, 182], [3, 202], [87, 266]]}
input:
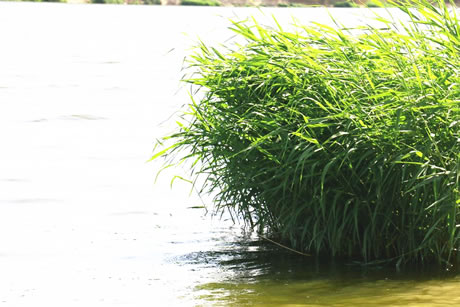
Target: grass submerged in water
{"points": [[343, 142]]}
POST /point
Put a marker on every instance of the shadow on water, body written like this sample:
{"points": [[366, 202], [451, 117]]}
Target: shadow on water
{"points": [[257, 273]]}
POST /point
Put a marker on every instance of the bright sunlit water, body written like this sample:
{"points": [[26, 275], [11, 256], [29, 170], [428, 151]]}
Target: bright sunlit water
{"points": [[84, 90]]}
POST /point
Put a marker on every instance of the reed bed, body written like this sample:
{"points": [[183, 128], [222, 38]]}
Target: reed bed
{"points": [[334, 141]]}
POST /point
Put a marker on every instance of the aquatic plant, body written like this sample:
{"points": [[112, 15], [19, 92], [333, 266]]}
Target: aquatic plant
{"points": [[343, 142]]}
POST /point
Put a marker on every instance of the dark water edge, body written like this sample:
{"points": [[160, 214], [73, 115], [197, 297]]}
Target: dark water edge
{"points": [[253, 272]]}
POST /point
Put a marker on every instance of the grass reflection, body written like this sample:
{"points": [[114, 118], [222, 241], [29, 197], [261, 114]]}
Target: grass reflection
{"points": [[254, 273]]}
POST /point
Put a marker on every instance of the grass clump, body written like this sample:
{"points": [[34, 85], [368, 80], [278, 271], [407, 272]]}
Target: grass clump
{"points": [[334, 141]]}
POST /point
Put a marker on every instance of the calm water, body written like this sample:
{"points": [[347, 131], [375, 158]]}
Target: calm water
{"points": [[84, 90]]}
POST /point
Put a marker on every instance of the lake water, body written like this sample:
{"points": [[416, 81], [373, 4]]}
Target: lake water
{"points": [[84, 92]]}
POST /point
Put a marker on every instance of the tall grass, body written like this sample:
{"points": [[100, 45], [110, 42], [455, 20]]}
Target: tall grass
{"points": [[335, 141]]}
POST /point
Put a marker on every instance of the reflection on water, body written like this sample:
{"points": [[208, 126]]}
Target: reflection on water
{"points": [[255, 273], [83, 89]]}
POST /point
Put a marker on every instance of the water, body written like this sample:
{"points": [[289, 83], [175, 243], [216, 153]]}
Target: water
{"points": [[84, 92]]}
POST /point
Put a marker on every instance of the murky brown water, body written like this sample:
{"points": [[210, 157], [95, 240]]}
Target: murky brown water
{"points": [[83, 91]]}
